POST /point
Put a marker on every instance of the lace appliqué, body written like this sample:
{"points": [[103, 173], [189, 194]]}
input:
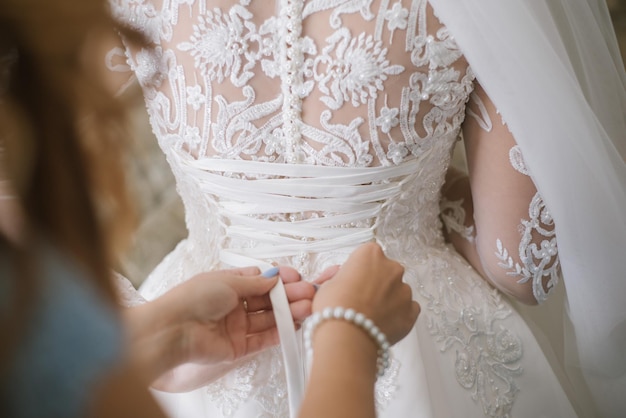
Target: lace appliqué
{"points": [[338, 8], [488, 355], [272, 394], [483, 119], [356, 72], [517, 160], [127, 295], [439, 84], [231, 396], [396, 18], [183, 70], [538, 262], [142, 16], [388, 119], [221, 45], [386, 386], [261, 379], [466, 317], [453, 217]]}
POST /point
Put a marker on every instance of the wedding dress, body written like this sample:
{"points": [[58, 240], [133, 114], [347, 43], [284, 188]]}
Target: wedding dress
{"points": [[298, 130]]}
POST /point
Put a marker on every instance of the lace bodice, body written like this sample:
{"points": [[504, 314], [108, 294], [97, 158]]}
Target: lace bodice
{"points": [[350, 83]]}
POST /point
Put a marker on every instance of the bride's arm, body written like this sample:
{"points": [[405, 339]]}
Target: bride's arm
{"points": [[503, 229]]}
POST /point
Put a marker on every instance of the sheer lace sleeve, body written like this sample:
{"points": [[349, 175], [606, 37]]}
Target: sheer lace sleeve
{"points": [[495, 217]]}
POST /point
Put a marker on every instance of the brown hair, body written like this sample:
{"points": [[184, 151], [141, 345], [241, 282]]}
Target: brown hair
{"points": [[63, 135]]}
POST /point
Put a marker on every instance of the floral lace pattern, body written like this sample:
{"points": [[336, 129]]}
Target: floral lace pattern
{"points": [[352, 70], [465, 315], [386, 386], [488, 355], [538, 253], [539, 263], [182, 71], [126, 292], [453, 217], [246, 382]]}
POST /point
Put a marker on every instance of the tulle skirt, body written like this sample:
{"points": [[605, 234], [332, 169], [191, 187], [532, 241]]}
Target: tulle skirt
{"points": [[472, 353]]}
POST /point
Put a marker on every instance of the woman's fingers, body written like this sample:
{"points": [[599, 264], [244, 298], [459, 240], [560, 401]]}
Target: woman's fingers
{"points": [[327, 274], [260, 322], [245, 271], [289, 274], [258, 303], [300, 310], [295, 291], [299, 291], [264, 320], [261, 341]]}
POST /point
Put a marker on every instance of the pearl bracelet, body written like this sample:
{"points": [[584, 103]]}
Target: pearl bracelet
{"points": [[350, 315]]}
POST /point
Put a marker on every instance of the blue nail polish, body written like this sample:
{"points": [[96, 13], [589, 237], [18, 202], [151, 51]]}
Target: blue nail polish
{"points": [[271, 272]]}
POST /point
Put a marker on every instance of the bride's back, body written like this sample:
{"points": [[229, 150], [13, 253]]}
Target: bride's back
{"points": [[356, 83]]}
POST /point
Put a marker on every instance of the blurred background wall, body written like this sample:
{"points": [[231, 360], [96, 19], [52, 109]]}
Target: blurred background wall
{"points": [[161, 218]]}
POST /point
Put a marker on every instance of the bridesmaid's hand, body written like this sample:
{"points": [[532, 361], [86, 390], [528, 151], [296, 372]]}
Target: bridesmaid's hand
{"points": [[370, 283], [226, 315], [344, 367], [203, 326]]}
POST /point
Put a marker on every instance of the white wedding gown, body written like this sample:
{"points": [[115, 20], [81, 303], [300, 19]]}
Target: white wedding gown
{"points": [[297, 131]]}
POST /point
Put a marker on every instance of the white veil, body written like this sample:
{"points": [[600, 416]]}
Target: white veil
{"points": [[553, 69]]}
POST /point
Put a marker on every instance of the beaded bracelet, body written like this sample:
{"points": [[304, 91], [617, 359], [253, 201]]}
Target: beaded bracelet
{"points": [[350, 315]]}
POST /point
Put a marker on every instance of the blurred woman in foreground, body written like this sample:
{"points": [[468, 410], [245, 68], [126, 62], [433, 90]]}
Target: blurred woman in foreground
{"points": [[64, 216]]}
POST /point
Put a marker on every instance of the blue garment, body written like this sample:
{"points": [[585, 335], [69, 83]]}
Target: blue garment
{"points": [[73, 340]]}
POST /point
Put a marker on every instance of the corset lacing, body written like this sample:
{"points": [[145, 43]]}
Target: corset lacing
{"points": [[349, 199]]}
